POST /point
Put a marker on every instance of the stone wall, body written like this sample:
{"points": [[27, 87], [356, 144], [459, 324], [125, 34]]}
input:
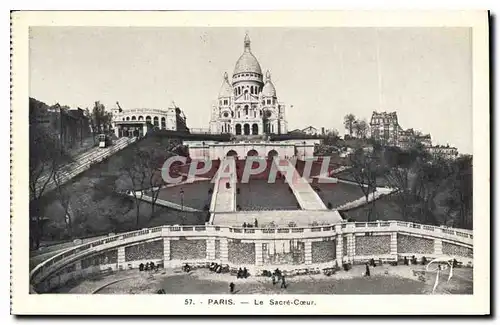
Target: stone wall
{"points": [[373, 245], [456, 250], [107, 257], [144, 251], [184, 249], [323, 251], [241, 253], [416, 245]]}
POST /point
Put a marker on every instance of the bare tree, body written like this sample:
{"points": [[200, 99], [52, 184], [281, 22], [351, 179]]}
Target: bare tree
{"points": [[361, 129], [46, 156], [398, 173], [364, 170], [136, 176], [64, 195], [152, 162]]}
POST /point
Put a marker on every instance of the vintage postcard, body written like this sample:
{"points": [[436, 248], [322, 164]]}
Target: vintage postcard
{"points": [[248, 163]]}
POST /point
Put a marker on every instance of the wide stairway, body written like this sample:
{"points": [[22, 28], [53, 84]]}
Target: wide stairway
{"points": [[307, 198], [224, 197], [83, 162]]}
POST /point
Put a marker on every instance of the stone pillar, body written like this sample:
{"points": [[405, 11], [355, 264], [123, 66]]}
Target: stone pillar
{"points": [[121, 256], [224, 250], [166, 251], [211, 248], [394, 245], [351, 247], [438, 247], [308, 252], [339, 249], [258, 253]]}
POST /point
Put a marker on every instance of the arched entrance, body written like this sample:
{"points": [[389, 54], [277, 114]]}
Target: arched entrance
{"points": [[246, 129], [232, 153], [271, 154], [238, 129], [252, 153], [255, 129]]}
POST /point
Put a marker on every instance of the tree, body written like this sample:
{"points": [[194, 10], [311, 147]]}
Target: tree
{"points": [[459, 197], [64, 194], [364, 171], [152, 161], [331, 137], [46, 156], [361, 129], [132, 166], [399, 168], [99, 118], [349, 121]]}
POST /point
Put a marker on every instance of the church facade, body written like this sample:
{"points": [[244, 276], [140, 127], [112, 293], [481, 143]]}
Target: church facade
{"points": [[248, 104]]}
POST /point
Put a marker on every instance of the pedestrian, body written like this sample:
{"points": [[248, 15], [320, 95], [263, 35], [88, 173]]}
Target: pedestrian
{"points": [[231, 287], [367, 273], [283, 283], [274, 279], [256, 223]]}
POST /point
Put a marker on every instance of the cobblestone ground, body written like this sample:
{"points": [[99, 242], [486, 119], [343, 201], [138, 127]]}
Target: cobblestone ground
{"points": [[383, 280]]}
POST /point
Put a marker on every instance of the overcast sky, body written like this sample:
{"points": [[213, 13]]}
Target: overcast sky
{"points": [[424, 74]]}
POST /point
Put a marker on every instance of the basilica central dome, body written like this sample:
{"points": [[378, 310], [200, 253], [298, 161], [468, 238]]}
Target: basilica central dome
{"points": [[247, 63]]}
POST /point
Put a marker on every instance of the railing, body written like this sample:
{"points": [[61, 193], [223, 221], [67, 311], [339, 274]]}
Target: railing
{"points": [[462, 236]]}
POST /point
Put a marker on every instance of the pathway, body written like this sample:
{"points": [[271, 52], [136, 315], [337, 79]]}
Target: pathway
{"points": [[307, 198]]}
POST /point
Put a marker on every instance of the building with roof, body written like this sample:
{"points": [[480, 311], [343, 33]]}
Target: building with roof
{"points": [[248, 104], [446, 152], [408, 138], [385, 128], [137, 121]]}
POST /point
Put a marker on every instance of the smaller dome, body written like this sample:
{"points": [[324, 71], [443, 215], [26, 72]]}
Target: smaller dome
{"points": [[225, 90], [268, 90]]}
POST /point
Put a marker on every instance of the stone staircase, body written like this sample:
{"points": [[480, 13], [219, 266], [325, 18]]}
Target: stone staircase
{"points": [[224, 198], [307, 198], [83, 162]]}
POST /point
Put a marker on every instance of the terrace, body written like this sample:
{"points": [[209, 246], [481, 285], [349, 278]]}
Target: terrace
{"points": [[260, 195]]}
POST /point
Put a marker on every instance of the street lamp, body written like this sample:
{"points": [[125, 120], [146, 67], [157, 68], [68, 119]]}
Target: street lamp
{"points": [[182, 199]]}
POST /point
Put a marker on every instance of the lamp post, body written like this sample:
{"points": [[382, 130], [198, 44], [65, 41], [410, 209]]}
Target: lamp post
{"points": [[304, 151]]}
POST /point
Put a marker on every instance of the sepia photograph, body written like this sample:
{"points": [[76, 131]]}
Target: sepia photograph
{"points": [[245, 167]]}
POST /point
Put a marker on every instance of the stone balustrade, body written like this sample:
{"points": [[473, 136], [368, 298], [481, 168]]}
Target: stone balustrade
{"points": [[251, 247]]}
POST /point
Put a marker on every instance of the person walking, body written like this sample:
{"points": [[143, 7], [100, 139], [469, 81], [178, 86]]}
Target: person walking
{"points": [[231, 287], [283, 282], [367, 273]]}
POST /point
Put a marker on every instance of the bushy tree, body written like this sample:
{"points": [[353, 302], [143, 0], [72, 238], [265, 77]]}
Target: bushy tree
{"points": [[349, 121]]}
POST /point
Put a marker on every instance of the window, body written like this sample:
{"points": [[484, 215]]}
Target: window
{"points": [[163, 123], [226, 114], [268, 102], [225, 101], [133, 118], [246, 109]]}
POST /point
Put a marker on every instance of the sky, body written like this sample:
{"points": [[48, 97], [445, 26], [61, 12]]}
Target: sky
{"points": [[321, 74]]}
